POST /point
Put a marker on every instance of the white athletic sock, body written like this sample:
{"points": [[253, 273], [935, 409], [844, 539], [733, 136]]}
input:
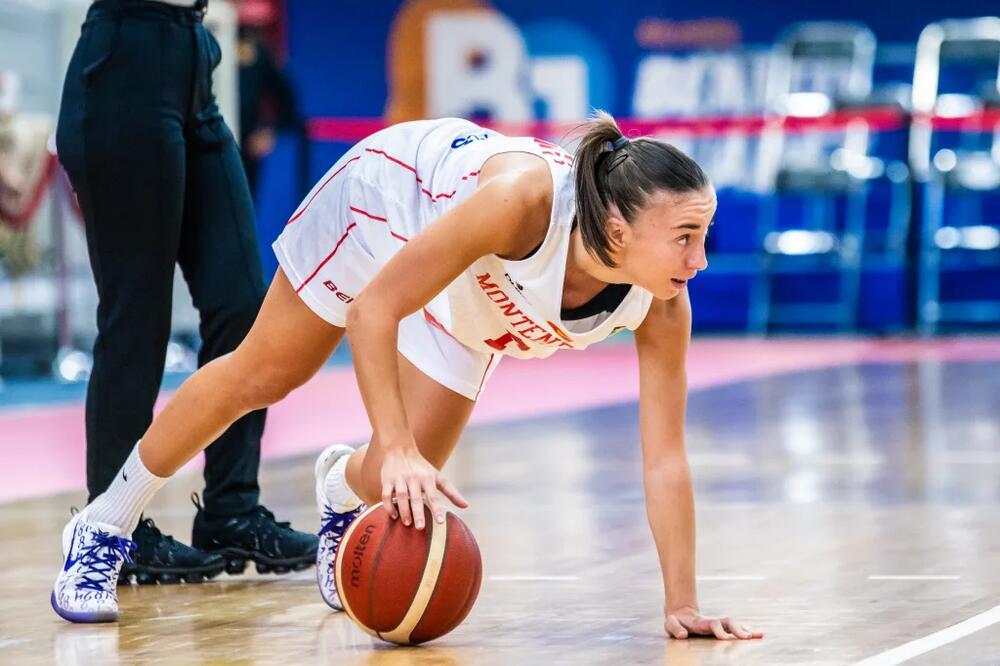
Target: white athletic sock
{"points": [[342, 498], [125, 499]]}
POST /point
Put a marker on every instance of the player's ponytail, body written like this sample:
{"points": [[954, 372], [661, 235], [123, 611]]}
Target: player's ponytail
{"points": [[611, 169]]}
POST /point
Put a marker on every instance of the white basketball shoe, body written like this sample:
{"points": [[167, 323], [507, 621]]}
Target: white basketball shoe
{"points": [[85, 590], [333, 523]]}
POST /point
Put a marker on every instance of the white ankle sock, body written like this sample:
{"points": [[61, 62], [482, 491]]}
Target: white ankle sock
{"points": [[125, 499], [340, 495]]}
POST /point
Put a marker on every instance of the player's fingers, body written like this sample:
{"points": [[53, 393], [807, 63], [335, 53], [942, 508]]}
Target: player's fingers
{"points": [[719, 632], [735, 629], [417, 504], [434, 501], [674, 627], [695, 624], [451, 492], [403, 502], [387, 504]]}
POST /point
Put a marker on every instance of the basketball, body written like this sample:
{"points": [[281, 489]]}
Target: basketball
{"points": [[405, 585]]}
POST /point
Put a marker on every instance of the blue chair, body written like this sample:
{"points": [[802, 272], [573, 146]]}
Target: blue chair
{"points": [[958, 168], [826, 174]]}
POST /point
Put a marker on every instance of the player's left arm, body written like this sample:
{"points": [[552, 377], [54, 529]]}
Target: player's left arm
{"points": [[662, 343]]}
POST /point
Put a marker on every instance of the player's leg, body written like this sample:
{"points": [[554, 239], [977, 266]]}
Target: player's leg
{"points": [[437, 414], [286, 346]]}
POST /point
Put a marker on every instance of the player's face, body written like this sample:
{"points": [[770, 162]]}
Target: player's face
{"points": [[666, 243]]}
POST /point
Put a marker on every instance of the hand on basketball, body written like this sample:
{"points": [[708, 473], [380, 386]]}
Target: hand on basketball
{"points": [[687, 621], [409, 480]]}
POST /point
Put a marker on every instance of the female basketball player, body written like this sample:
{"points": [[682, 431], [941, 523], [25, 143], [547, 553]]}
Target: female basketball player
{"points": [[439, 247]]}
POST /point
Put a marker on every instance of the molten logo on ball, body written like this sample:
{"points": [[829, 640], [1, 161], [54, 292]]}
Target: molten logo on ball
{"points": [[406, 585], [359, 552]]}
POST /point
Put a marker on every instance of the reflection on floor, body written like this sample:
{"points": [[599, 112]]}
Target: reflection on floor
{"points": [[845, 510]]}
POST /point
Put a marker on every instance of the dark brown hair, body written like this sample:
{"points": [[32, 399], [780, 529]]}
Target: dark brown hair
{"points": [[612, 170]]}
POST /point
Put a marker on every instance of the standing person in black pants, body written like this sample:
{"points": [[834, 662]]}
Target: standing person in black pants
{"points": [[159, 179]]}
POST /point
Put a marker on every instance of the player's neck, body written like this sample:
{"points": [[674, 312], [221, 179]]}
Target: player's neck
{"points": [[585, 276]]}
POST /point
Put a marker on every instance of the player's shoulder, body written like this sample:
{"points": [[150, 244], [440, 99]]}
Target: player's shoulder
{"points": [[519, 190], [523, 175]]}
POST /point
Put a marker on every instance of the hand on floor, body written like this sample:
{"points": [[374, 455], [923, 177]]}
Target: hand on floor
{"points": [[687, 621]]}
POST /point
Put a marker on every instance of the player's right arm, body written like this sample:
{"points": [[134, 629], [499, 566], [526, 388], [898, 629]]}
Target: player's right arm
{"points": [[495, 219]]}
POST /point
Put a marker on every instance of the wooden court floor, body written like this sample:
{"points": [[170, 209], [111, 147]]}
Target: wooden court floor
{"points": [[851, 513]]}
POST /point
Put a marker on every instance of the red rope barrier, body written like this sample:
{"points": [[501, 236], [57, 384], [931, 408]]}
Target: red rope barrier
{"points": [[22, 218], [879, 119]]}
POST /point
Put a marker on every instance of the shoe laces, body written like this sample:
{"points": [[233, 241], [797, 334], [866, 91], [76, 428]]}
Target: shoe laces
{"points": [[99, 560], [335, 523]]}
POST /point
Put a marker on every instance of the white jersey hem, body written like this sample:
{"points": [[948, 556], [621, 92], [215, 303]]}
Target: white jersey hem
{"points": [[312, 301], [436, 372]]}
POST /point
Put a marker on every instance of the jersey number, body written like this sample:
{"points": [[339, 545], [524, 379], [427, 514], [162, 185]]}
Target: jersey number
{"points": [[501, 343]]}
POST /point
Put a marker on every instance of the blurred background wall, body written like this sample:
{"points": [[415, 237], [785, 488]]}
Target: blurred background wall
{"points": [[855, 148]]}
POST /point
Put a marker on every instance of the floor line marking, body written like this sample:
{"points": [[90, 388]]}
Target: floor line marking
{"points": [[915, 577], [915, 648], [532, 578], [971, 458]]}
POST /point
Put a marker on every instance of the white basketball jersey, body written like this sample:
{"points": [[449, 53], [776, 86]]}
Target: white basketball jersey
{"points": [[496, 305]]}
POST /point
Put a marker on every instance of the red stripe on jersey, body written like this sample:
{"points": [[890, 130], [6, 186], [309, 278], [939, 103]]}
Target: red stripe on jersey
{"points": [[393, 159], [561, 155], [344, 237], [380, 219], [369, 215], [432, 320], [328, 257], [299, 214], [433, 197], [481, 381]]}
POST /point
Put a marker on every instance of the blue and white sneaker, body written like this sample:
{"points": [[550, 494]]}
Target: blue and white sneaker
{"points": [[85, 589], [333, 524]]}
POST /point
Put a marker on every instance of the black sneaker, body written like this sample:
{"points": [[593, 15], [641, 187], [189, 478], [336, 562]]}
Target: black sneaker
{"points": [[274, 547], [158, 558]]}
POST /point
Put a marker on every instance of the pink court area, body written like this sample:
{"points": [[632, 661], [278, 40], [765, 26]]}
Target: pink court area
{"points": [[43, 447]]}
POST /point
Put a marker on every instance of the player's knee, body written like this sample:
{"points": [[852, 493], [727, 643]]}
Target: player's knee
{"points": [[268, 387], [257, 385]]}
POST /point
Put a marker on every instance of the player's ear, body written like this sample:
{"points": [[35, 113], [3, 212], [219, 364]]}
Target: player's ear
{"points": [[619, 232]]}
